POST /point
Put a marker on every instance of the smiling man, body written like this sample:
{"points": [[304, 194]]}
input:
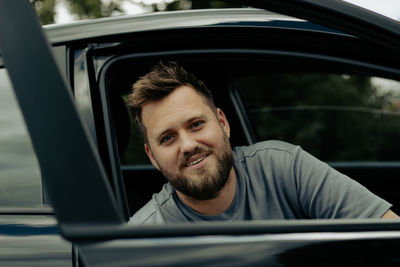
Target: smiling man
{"points": [[187, 139]]}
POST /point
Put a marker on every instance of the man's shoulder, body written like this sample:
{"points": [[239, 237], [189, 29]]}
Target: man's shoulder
{"points": [[271, 147], [151, 213], [147, 214]]}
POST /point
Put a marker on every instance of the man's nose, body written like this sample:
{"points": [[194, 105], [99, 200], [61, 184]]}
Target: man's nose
{"points": [[188, 143]]}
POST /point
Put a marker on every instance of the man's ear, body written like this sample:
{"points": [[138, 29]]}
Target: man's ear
{"points": [[150, 155], [223, 122]]}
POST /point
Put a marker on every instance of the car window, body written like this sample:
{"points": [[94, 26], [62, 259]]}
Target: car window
{"points": [[335, 117], [20, 178], [134, 153]]}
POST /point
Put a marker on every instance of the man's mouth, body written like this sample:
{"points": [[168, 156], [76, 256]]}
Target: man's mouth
{"points": [[196, 161]]}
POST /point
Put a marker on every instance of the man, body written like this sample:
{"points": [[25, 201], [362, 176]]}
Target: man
{"points": [[187, 139]]}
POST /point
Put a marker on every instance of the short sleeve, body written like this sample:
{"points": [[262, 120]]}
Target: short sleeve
{"points": [[325, 193]]}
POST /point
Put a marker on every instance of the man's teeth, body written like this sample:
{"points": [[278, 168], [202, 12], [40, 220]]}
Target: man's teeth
{"points": [[195, 162]]}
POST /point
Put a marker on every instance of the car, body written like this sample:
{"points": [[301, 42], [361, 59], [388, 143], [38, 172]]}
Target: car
{"points": [[323, 75]]}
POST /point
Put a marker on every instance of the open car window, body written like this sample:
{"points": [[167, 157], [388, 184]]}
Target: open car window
{"points": [[336, 117], [346, 119]]}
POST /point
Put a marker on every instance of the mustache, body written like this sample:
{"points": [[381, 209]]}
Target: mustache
{"points": [[187, 155]]}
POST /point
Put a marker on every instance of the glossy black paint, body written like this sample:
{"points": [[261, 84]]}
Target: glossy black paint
{"points": [[341, 16], [89, 212], [267, 250], [63, 115], [109, 28], [32, 240]]}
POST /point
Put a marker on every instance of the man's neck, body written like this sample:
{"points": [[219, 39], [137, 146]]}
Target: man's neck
{"points": [[216, 205]]}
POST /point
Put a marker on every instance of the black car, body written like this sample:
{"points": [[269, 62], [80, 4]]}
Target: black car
{"points": [[327, 80]]}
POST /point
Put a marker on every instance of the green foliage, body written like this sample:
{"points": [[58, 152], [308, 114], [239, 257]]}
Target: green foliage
{"points": [[83, 9], [334, 117], [191, 4], [94, 8], [45, 10], [87, 9]]}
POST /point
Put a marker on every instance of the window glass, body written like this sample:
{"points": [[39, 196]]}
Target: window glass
{"points": [[336, 117], [134, 153], [20, 178]]}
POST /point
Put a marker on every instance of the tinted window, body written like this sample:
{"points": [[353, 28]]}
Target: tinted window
{"points": [[134, 153], [335, 117], [20, 178]]}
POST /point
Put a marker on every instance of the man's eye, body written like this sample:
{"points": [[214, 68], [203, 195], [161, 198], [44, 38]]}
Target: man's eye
{"points": [[166, 139], [196, 124]]}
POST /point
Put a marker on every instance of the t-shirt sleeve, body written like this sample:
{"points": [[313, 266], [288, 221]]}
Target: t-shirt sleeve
{"points": [[148, 214], [325, 193], [161, 209]]}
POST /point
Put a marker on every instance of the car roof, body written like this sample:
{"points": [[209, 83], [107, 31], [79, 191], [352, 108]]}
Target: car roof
{"points": [[245, 17]]}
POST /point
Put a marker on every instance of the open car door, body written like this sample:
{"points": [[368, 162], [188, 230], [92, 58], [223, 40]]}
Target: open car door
{"points": [[72, 170], [339, 15]]}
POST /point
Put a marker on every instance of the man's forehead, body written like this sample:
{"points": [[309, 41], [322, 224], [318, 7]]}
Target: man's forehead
{"points": [[182, 99], [179, 107]]}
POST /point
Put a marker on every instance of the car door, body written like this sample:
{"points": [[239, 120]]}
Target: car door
{"points": [[91, 218]]}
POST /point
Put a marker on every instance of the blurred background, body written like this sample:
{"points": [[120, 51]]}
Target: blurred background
{"points": [[64, 11]]}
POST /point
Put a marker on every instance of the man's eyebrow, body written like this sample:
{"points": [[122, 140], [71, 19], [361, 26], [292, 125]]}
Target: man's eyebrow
{"points": [[163, 133], [196, 117]]}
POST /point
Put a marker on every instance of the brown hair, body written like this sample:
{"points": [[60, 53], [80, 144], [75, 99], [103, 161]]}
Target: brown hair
{"points": [[159, 83]]}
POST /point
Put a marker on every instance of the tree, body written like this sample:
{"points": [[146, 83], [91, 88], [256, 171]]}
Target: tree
{"points": [[83, 9], [335, 117], [86, 9], [198, 4], [45, 10]]}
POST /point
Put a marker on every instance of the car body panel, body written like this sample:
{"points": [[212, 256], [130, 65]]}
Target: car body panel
{"points": [[246, 250], [44, 125], [274, 243], [89, 214], [32, 240], [83, 30], [339, 15]]}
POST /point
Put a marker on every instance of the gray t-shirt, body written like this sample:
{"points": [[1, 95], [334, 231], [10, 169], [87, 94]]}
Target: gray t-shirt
{"points": [[275, 180]]}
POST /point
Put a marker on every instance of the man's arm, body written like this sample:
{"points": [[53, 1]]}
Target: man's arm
{"points": [[390, 215], [326, 193]]}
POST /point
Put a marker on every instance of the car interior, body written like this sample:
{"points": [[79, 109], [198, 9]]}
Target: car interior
{"points": [[315, 122], [316, 94]]}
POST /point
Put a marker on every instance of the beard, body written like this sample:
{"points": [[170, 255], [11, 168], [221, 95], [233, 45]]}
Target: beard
{"points": [[209, 183]]}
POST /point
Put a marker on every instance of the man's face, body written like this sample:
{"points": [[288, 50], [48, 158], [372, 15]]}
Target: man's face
{"points": [[188, 143]]}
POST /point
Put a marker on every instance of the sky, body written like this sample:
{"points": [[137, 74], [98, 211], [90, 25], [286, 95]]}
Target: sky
{"points": [[389, 8]]}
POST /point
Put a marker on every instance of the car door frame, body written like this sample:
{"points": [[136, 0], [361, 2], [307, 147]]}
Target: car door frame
{"points": [[71, 166], [339, 15]]}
